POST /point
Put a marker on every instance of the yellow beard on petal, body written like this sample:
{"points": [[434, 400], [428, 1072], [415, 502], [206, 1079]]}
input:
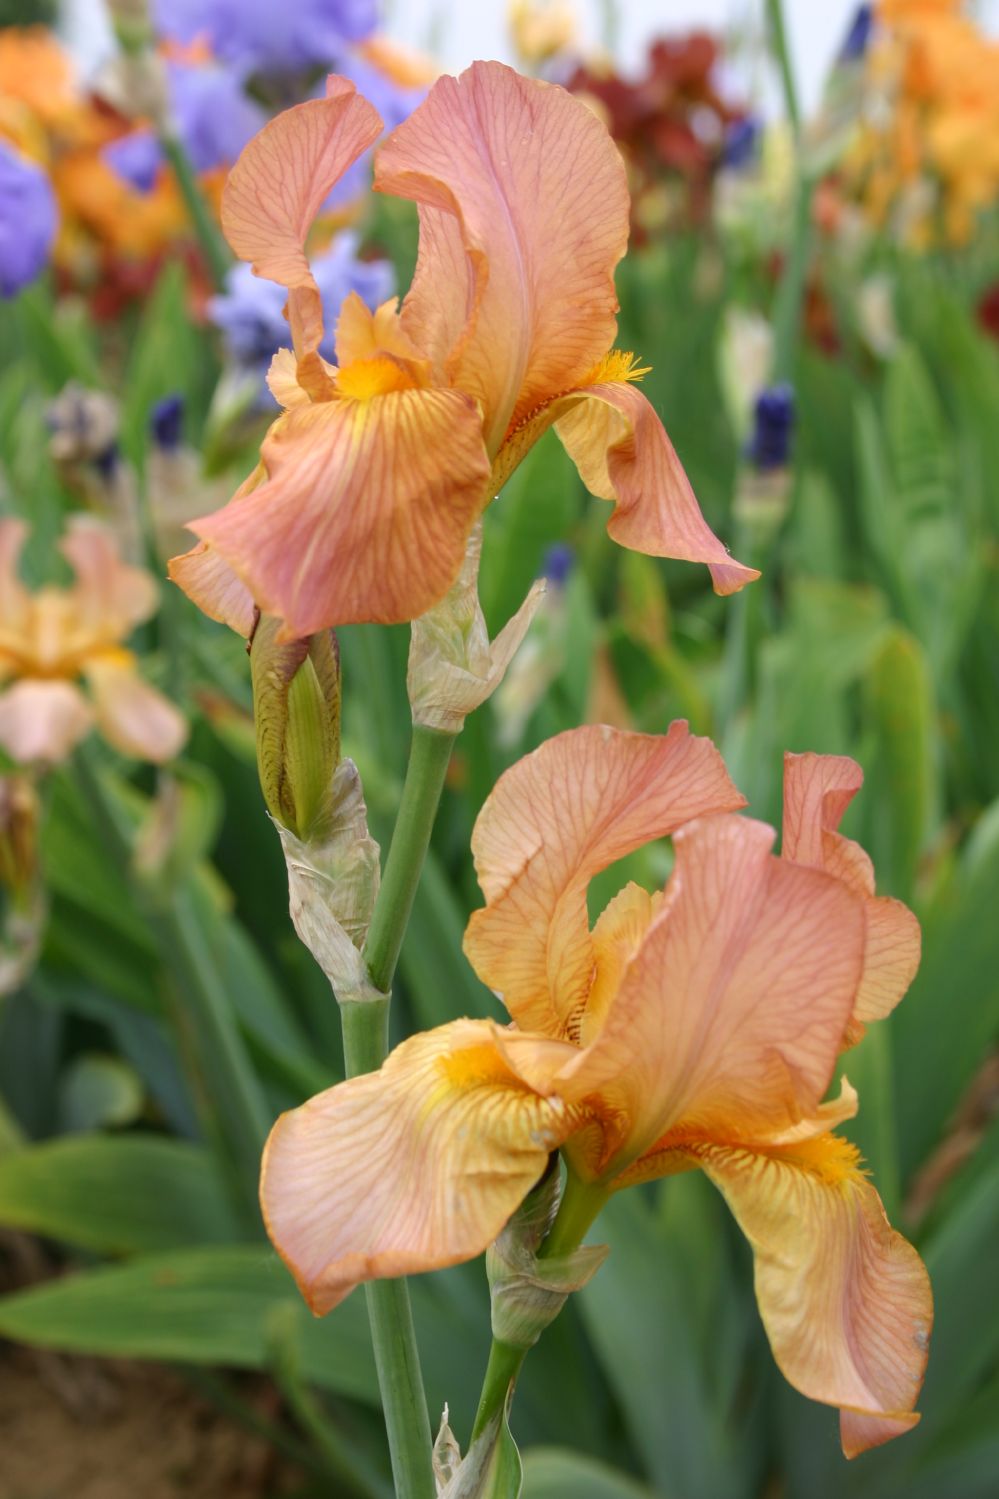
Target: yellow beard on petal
{"points": [[618, 366], [367, 378]]}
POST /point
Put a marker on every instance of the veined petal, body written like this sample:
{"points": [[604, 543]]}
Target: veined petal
{"points": [[364, 513], [131, 715], [845, 1300], [616, 440], [817, 791], [523, 218], [729, 1017], [210, 582], [411, 1168], [276, 189], [42, 721], [584, 799]]}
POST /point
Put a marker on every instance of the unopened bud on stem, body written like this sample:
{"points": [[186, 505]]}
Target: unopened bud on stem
{"points": [[296, 708]]}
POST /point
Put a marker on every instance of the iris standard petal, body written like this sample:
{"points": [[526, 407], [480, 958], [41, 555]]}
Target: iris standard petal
{"points": [[407, 1169], [364, 513], [817, 791], [523, 218], [276, 189], [729, 1017], [581, 801]]}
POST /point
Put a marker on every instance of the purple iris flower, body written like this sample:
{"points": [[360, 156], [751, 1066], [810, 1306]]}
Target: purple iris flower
{"points": [[213, 118], [859, 35], [250, 313], [558, 564], [266, 37], [166, 422], [773, 425], [136, 159], [28, 221]]}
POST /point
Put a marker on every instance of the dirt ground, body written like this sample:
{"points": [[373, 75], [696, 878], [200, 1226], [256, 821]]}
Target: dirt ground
{"points": [[88, 1429]]}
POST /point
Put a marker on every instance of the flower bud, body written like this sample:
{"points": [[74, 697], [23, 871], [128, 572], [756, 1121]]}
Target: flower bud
{"points": [[453, 666], [296, 709], [527, 1292]]}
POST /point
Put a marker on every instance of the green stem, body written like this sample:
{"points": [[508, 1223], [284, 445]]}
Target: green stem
{"points": [[365, 1046], [211, 242], [429, 755], [778, 39], [581, 1202]]}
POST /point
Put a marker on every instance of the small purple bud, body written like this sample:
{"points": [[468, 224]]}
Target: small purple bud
{"points": [[859, 35], [166, 421], [770, 445], [558, 564], [741, 140]]}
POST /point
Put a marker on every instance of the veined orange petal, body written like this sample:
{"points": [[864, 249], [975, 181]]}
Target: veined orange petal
{"points": [[363, 334], [43, 721], [210, 582], [364, 513], [729, 1017], [584, 799], [817, 791], [282, 380], [845, 1300], [411, 1168], [131, 714], [276, 189], [523, 218], [616, 440]]}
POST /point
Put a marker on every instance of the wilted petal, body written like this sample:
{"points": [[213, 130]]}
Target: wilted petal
{"points": [[275, 191], [42, 721], [584, 799], [817, 791], [845, 1300], [621, 449], [364, 513], [411, 1168], [523, 218], [210, 582], [730, 1015], [131, 715]]}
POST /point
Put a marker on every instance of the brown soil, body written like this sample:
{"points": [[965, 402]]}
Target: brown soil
{"points": [[89, 1429]]}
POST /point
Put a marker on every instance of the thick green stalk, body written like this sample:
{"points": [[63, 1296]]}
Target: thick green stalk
{"points": [[581, 1202], [211, 242], [429, 755], [365, 1045]]}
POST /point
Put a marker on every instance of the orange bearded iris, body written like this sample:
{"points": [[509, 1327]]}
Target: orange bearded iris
{"points": [[372, 479], [694, 1027], [51, 638]]}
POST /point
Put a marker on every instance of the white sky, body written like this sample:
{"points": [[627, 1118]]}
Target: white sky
{"points": [[457, 31]]}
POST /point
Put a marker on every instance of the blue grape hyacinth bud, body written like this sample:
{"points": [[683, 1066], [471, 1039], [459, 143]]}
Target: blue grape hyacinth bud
{"points": [[773, 425]]}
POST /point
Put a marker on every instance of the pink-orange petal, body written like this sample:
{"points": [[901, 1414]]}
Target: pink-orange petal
{"points": [[817, 791], [210, 582], [110, 596], [41, 722], [132, 715], [523, 218], [364, 513], [407, 1169], [616, 440], [845, 1300], [277, 188], [581, 801], [729, 1017]]}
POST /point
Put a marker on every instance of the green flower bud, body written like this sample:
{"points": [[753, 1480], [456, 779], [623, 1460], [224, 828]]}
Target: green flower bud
{"points": [[296, 709]]}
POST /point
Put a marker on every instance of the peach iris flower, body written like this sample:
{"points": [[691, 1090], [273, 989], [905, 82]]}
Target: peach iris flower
{"points": [[372, 479], [50, 639], [695, 1027]]}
